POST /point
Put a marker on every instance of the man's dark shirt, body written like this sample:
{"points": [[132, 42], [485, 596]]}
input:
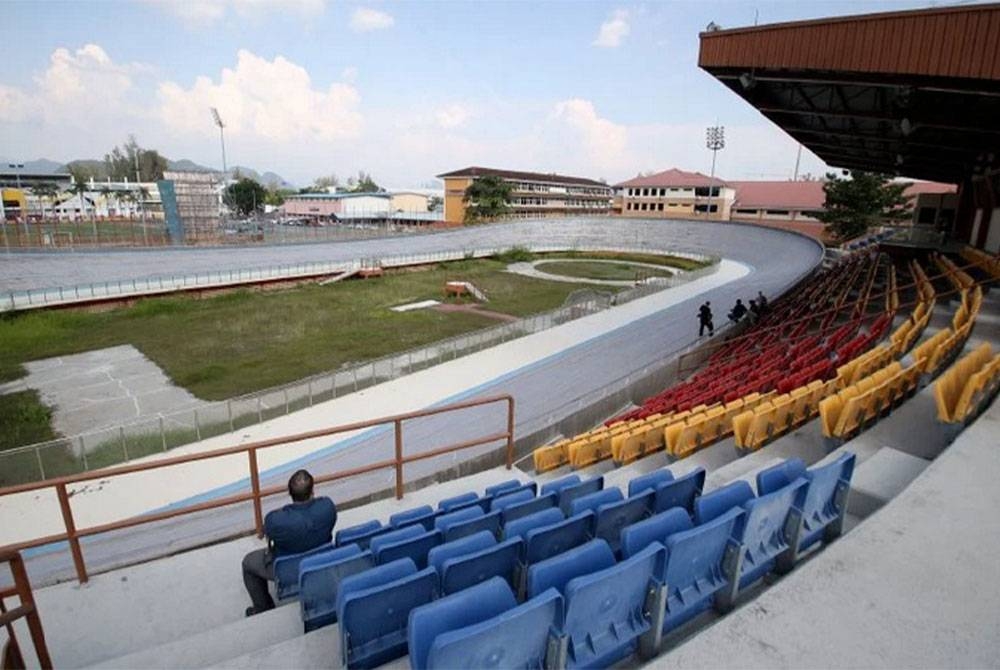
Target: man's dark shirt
{"points": [[301, 526]]}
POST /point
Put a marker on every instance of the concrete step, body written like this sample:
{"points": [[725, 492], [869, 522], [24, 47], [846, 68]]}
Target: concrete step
{"points": [[881, 478], [319, 649]]}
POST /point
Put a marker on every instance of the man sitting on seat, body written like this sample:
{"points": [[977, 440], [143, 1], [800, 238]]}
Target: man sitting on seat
{"points": [[739, 309], [303, 525]]}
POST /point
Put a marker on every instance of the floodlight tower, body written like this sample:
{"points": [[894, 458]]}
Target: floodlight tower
{"points": [[715, 140], [222, 138]]}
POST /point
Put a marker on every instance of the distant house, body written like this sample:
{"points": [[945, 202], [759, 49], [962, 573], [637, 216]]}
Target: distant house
{"points": [[675, 194]]}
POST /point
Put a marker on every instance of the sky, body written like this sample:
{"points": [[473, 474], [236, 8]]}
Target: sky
{"points": [[403, 90]]}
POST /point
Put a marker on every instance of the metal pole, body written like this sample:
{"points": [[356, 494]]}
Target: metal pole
{"points": [[510, 432], [74, 541], [399, 458], [258, 516]]}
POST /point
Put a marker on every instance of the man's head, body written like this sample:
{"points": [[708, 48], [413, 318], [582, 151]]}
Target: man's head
{"points": [[300, 486]]}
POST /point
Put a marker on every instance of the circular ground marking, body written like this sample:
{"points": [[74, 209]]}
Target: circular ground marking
{"points": [[601, 270]]}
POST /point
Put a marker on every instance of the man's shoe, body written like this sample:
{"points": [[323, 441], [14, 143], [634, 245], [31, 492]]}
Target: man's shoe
{"points": [[251, 611]]}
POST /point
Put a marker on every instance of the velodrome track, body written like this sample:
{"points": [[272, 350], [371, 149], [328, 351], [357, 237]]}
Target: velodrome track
{"points": [[545, 391]]}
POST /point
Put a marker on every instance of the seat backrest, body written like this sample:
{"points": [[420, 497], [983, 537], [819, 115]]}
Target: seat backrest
{"points": [[721, 500], [423, 515], [466, 545], [286, 569], [513, 498], [415, 548], [694, 559], [547, 541], [605, 610], [445, 521], [763, 530], [649, 481], [489, 522], [520, 527], [459, 610], [516, 511], [373, 621], [779, 475], [319, 584], [657, 528], [826, 496], [516, 638], [500, 560], [353, 534], [570, 493], [613, 517], [591, 501], [557, 571], [376, 576], [457, 501], [557, 485], [681, 492], [503, 487], [394, 536]]}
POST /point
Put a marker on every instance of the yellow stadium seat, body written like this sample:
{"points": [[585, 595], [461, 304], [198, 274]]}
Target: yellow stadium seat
{"points": [[672, 434], [550, 457], [763, 426], [741, 428], [783, 407], [801, 401], [852, 415]]}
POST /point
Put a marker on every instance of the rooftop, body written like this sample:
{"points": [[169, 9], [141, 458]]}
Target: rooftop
{"points": [[337, 196], [779, 194], [550, 177], [676, 178]]}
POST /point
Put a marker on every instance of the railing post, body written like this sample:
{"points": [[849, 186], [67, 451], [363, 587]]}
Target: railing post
{"points": [[510, 432], [399, 458], [163, 434], [258, 516], [38, 457], [34, 622], [74, 541], [83, 453]]}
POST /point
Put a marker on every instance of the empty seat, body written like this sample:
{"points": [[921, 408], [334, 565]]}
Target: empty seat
{"points": [[518, 510], [391, 537], [415, 547], [520, 527], [319, 582], [591, 501], [570, 493], [465, 570], [547, 541], [437, 556], [286, 570], [360, 534], [483, 627], [488, 522], [373, 608], [557, 485], [455, 502], [649, 481], [423, 515], [557, 571], [503, 487], [657, 528], [446, 521], [611, 518], [721, 500], [608, 611], [550, 457], [681, 492], [513, 498]]}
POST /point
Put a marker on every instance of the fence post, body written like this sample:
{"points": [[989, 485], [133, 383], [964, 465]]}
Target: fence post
{"points": [[258, 517], [229, 411], [163, 434], [83, 453], [333, 386], [197, 426], [38, 457], [74, 541], [399, 458], [310, 387], [260, 411], [286, 400], [121, 434]]}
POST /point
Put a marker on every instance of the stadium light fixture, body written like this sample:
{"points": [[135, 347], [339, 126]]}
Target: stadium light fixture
{"points": [[715, 140], [222, 138]]}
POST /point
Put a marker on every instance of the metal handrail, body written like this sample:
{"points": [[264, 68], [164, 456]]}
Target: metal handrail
{"points": [[73, 534], [26, 610]]}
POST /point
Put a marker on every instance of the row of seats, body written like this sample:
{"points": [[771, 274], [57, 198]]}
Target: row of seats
{"points": [[779, 415], [982, 260], [959, 278], [844, 414], [965, 389], [593, 605]]}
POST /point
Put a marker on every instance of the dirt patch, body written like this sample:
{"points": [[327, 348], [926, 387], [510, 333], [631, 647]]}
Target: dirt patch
{"points": [[475, 309]]}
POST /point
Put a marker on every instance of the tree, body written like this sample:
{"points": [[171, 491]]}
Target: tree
{"points": [[363, 183], [323, 184], [434, 203], [121, 162], [863, 200], [45, 191], [486, 198], [276, 196], [245, 196]]}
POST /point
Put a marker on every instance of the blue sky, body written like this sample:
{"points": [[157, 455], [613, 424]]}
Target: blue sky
{"points": [[403, 90]]}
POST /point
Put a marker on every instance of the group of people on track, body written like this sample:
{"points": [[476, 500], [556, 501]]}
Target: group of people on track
{"points": [[736, 314]]}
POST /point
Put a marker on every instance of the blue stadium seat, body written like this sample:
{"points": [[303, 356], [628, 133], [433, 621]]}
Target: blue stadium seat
{"points": [[826, 502], [570, 493], [490, 522], [557, 571], [721, 500], [656, 528], [423, 515], [286, 571], [702, 564], [513, 498], [777, 476], [649, 481], [446, 521], [503, 487], [500, 560], [520, 527], [360, 534], [454, 502], [415, 548], [609, 611], [557, 485], [373, 608], [613, 517], [467, 545], [515, 512], [681, 492], [394, 536], [515, 638], [548, 541], [591, 501], [319, 581], [453, 612]]}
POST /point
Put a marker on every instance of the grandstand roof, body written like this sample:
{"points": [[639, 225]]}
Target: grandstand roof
{"points": [[676, 178], [914, 93], [527, 176], [779, 194]]}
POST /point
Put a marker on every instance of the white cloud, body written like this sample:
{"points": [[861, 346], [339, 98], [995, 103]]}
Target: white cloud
{"points": [[273, 100], [203, 13], [602, 139], [452, 116], [349, 74], [613, 30], [365, 19]]}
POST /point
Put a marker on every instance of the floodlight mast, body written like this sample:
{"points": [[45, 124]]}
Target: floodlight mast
{"points": [[715, 139], [222, 138]]}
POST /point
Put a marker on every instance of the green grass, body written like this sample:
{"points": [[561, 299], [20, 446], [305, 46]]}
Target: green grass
{"points": [[245, 341], [25, 420], [600, 270], [652, 259]]}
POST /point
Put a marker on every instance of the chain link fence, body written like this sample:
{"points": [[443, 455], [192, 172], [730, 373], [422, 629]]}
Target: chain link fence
{"points": [[118, 444]]}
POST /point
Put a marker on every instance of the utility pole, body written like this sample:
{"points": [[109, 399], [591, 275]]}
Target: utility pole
{"points": [[798, 158], [715, 140]]}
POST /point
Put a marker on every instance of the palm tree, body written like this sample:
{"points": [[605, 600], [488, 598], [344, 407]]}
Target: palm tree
{"points": [[143, 195], [44, 191]]}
